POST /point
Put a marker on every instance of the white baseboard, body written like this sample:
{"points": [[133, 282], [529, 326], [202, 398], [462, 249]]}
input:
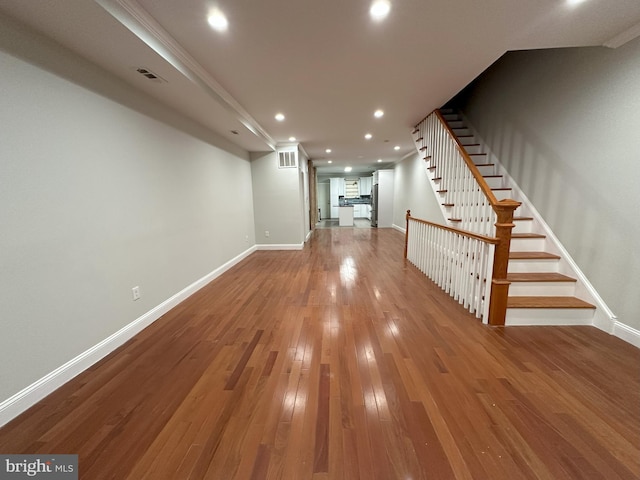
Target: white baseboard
{"points": [[27, 397], [402, 230], [627, 333], [280, 246]]}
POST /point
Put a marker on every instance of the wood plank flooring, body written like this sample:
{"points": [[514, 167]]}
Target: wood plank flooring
{"points": [[342, 362]]}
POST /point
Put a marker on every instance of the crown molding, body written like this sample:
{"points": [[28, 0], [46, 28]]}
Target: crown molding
{"points": [[137, 20], [623, 37]]}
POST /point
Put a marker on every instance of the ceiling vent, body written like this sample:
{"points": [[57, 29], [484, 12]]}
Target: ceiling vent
{"points": [[145, 72], [287, 159]]}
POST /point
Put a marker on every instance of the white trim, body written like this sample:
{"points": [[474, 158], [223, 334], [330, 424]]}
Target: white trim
{"points": [[280, 246], [623, 37], [27, 397], [308, 236], [627, 333], [399, 228], [139, 22]]}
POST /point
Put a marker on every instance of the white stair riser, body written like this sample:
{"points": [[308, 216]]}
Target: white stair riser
{"points": [[464, 138], [456, 123], [522, 226], [462, 131], [527, 244], [549, 316], [502, 194], [531, 266], [451, 117], [473, 148], [494, 182], [542, 289], [485, 169]]}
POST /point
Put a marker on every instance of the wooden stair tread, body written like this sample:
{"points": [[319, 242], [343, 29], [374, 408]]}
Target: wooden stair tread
{"points": [[539, 277], [533, 256], [547, 302]]}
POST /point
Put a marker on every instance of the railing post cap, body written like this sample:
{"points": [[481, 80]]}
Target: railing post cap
{"points": [[508, 203]]}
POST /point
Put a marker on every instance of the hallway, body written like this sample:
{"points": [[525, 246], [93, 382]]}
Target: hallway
{"points": [[340, 361]]}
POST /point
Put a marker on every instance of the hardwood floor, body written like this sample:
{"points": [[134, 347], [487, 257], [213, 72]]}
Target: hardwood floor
{"points": [[340, 361]]}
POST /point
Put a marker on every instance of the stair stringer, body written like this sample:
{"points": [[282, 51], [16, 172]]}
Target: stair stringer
{"points": [[602, 318]]}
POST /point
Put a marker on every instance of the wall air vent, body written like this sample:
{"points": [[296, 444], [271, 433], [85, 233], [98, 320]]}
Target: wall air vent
{"points": [[287, 159], [145, 72]]}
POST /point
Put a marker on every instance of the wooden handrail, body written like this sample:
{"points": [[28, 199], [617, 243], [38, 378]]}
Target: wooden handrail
{"points": [[467, 159], [464, 233]]}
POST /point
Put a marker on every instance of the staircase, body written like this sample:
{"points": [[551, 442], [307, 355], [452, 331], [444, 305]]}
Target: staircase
{"points": [[544, 289]]}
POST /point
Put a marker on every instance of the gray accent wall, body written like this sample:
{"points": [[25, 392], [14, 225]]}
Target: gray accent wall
{"points": [[277, 201], [96, 198], [565, 123], [412, 191]]}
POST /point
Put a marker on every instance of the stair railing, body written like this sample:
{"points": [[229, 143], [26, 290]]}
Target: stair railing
{"points": [[458, 261], [475, 210]]}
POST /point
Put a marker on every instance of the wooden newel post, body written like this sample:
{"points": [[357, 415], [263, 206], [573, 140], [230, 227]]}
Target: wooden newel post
{"points": [[406, 234], [499, 284]]}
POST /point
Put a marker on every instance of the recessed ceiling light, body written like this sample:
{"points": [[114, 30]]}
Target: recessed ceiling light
{"points": [[292, 139], [330, 161], [379, 160], [347, 169], [397, 147], [368, 136], [378, 113], [574, 2], [218, 21], [279, 117], [328, 150], [379, 9]]}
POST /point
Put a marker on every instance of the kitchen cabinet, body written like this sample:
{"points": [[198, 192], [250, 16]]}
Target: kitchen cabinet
{"points": [[345, 216], [336, 188], [366, 183]]}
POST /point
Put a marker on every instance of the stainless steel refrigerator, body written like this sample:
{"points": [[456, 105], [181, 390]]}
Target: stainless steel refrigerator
{"points": [[374, 206]]}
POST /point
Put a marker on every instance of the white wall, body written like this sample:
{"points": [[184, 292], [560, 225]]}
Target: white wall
{"points": [[277, 201], [304, 191], [413, 192], [96, 198], [565, 123]]}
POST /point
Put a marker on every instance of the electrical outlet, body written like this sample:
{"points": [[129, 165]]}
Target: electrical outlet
{"points": [[266, 233], [246, 238], [135, 291]]}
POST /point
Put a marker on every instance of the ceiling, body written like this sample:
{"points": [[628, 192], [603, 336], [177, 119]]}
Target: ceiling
{"points": [[326, 65]]}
